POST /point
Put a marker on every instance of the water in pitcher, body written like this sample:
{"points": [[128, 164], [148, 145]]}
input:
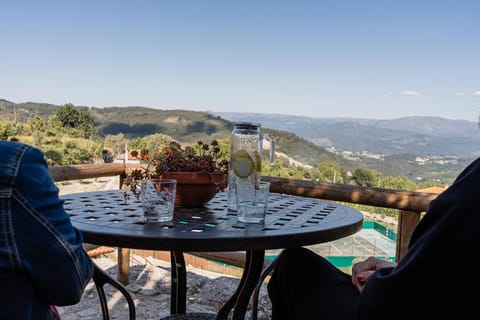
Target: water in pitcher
{"points": [[246, 143]]}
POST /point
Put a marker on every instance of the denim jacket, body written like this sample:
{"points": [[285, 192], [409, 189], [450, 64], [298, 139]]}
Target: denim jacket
{"points": [[42, 261]]}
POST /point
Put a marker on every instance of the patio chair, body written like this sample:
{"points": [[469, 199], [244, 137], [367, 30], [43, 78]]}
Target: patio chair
{"points": [[256, 292], [100, 278]]}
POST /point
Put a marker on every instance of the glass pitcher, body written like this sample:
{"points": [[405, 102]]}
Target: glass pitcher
{"points": [[246, 145]]}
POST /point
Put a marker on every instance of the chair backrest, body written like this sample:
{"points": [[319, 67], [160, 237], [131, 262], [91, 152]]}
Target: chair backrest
{"points": [[100, 278], [256, 292]]}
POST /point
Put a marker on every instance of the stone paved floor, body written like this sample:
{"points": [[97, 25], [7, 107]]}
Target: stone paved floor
{"points": [[150, 289]]}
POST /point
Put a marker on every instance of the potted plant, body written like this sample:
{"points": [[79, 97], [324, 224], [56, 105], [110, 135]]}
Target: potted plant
{"points": [[201, 171]]}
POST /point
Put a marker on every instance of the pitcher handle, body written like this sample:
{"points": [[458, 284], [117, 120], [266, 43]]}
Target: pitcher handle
{"points": [[272, 149]]}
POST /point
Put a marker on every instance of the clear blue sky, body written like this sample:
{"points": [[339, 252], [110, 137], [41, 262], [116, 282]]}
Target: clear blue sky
{"points": [[338, 58]]}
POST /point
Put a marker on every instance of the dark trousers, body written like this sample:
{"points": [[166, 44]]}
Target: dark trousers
{"points": [[305, 286]]}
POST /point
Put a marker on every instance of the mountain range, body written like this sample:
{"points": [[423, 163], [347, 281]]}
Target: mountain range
{"points": [[421, 136], [431, 148]]}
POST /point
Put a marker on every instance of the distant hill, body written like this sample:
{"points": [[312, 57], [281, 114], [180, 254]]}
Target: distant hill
{"points": [[422, 136], [21, 112], [300, 138], [133, 122], [183, 125]]}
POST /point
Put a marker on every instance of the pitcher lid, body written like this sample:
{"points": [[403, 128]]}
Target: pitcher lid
{"points": [[246, 125]]}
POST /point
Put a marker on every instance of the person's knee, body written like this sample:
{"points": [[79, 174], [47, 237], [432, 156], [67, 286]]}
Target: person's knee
{"points": [[303, 260], [293, 258], [297, 254]]}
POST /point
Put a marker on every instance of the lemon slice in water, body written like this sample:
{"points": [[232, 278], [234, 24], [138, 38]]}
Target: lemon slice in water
{"points": [[243, 165], [258, 161]]}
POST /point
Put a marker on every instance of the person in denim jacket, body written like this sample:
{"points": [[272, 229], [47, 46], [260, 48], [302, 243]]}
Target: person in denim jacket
{"points": [[42, 260]]}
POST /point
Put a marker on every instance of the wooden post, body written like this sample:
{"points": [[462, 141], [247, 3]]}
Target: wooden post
{"points": [[123, 261], [407, 220]]}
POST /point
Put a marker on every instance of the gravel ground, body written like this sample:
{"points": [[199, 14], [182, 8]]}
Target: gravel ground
{"points": [[87, 185]]}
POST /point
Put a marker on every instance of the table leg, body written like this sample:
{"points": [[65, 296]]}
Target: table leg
{"points": [[178, 303], [240, 299]]}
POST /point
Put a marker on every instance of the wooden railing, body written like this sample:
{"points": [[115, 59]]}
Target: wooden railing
{"points": [[409, 203]]}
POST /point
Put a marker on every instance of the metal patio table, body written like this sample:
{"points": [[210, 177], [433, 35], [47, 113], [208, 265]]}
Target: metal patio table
{"points": [[114, 218]]}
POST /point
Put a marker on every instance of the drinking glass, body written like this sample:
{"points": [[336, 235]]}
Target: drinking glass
{"points": [[252, 202], [158, 199]]}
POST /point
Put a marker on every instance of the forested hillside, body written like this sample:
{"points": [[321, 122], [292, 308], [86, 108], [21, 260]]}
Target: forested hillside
{"points": [[136, 122], [39, 124]]}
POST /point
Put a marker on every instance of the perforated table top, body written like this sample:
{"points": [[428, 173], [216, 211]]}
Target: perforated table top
{"points": [[115, 218]]}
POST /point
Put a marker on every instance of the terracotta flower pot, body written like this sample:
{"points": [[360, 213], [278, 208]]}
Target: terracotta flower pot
{"points": [[195, 189]]}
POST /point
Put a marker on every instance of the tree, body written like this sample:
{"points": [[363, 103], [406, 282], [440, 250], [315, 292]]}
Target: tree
{"points": [[116, 142], [398, 183], [37, 139], [7, 130], [329, 171], [77, 122], [37, 124], [68, 116], [86, 123], [54, 157], [155, 141], [366, 177], [283, 168]]}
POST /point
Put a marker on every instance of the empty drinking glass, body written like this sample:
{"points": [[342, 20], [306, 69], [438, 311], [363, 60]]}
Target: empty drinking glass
{"points": [[252, 203], [158, 199]]}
